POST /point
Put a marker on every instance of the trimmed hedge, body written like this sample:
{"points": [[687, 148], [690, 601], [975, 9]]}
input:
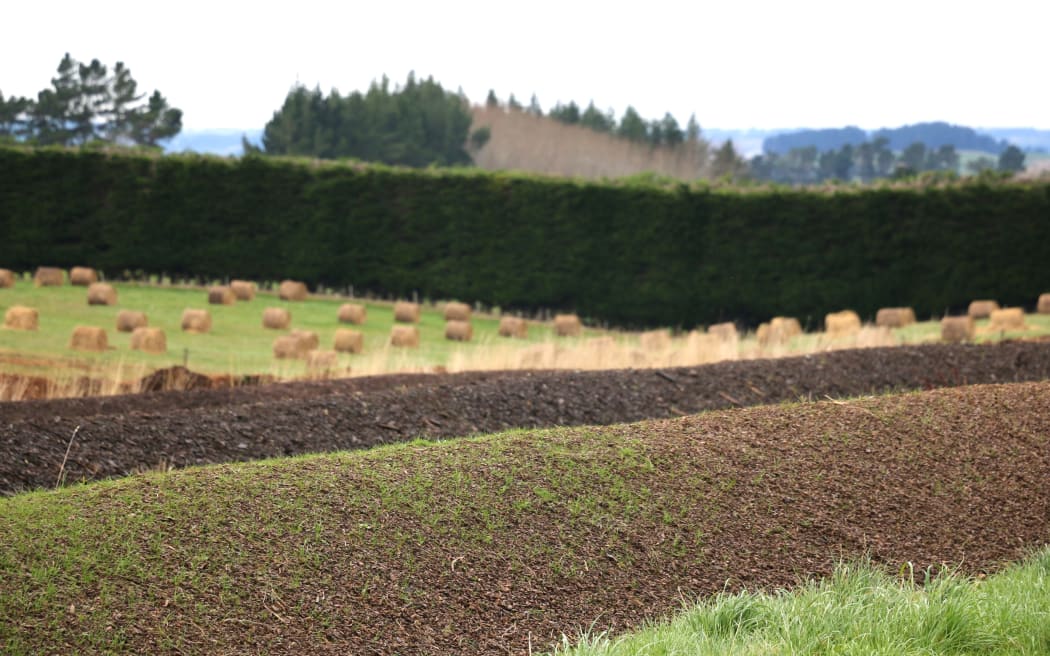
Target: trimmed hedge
{"points": [[628, 255]]}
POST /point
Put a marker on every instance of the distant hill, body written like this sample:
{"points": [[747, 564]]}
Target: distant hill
{"points": [[933, 135], [825, 139], [215, 142]]}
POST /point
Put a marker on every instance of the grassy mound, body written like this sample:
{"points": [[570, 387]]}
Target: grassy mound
{"points": [[497, 543]]}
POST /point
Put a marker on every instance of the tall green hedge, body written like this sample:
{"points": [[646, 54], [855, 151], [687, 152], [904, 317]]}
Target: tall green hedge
{"points": [[625, 254]]}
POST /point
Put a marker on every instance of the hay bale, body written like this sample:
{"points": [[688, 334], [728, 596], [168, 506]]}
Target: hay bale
{"points": [[292, 290], [149, 340], [842, 324], [1044, 304], [49, 277], [308, 338], [455, 311], [7, 278], [567, 325], [100, 293], [1007, 319], [88, 338], [459, 331], [655, 340], [349, 341], [957, 329], [196, 321], [406, 312], [276, 318], [778, 331], [354, 313], [221, 295], [404, 336], [725, 332], [513, 327], [20, 317], [982, 309], [897, 317], [288, 347], [82, 276], [129, 320], [321, 360], [243, 290]]}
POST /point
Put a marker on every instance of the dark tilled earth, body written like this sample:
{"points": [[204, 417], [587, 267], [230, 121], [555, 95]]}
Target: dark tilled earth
{"points": [[118, 435]]}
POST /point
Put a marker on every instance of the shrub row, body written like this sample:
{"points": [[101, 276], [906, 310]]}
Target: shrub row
{"points": [[629, 255]]}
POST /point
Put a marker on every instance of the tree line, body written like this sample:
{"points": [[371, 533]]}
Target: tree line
{"points": [[89, 103]]}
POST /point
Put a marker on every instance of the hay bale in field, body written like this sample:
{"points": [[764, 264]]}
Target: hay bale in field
{"points": [[317, 360], [221, 295], [1044, 304], [842, 324], [82, 276], [957, 329], [725, 332], [1007, 319], [349, 341], [7, 278], [149, 340], [406, 312], [49, 277], [982, 309], [276, 318], [513, 327], [308, 338], [129, 320], [778, 331], [354, 313], [243, 290], [288, 347], [459, 331], [655, 340], [404, 336], [20, 317], [196, 321], [292, 290], [100, 293], [88, 338], [567, 325], [455, 311], [896, 317]]}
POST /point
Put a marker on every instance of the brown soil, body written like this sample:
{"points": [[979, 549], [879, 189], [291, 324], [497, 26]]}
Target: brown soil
{"points": [[130, 433]]}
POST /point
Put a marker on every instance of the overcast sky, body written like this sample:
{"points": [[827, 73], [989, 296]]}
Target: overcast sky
{"points": [[736, 64]]}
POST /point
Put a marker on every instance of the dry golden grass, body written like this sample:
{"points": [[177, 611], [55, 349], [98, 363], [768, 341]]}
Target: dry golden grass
{"points": [[525, 142]]}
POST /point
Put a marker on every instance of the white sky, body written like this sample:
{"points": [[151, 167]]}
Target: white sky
{"points": [[735, 63]]}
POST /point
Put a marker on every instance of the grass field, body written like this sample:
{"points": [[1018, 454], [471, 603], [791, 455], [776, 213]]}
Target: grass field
{"points": [[238, 344]]}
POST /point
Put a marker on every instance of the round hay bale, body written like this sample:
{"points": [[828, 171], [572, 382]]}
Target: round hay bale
{"points": [[243, 290], [455, 311], [982, 309], [404, 336], [20, 317], [100, 293], [276, 318], [196, 321], [406, 312], [292, 290], [321, 360], [82, 276], [896, 317], [459, 331], [221, 295], [655, 340], [349, 341], [129, 320], [957, 329], [567, 325], [354, 313], [149, 340], [88, 338], [307, 338], [513, 327], [842, 324], [725, 332], [779, 331], [762, 334], [7, 278], [49, 277], [288, 347], [1044, 304], [1007, 319]]}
